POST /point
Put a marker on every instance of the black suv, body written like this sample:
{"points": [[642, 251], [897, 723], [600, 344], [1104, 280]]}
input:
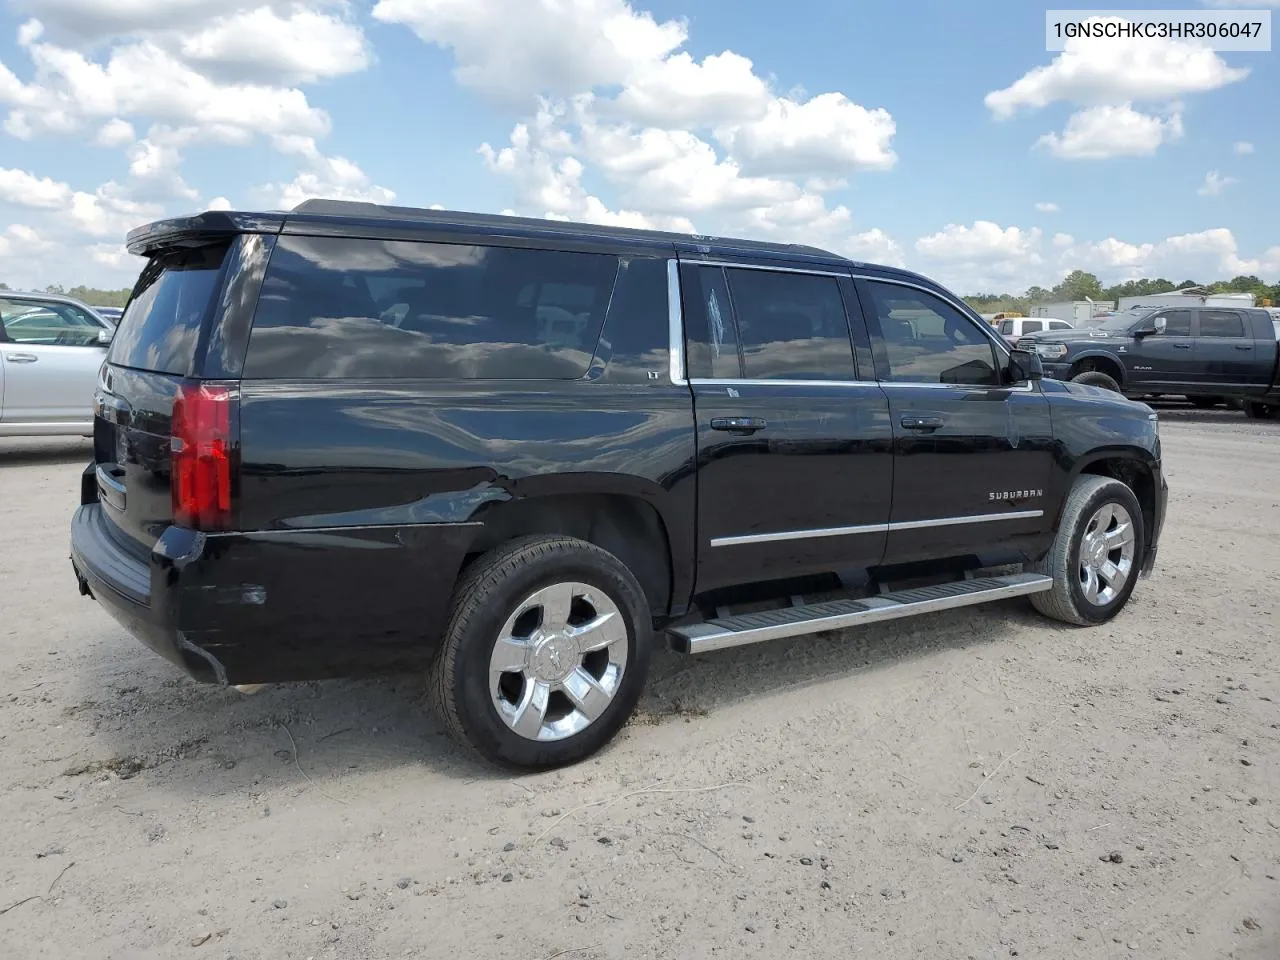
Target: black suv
{"points": [[351, 438]]}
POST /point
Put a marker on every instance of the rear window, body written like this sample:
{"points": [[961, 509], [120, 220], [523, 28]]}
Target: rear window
{"points": [[161, 324], [334, 308]]}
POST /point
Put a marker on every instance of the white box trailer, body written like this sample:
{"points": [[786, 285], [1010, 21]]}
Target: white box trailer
{"points": [[1157, 300], [1078, 313]]}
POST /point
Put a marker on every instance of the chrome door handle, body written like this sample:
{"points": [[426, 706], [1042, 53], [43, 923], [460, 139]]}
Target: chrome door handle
{"points": [[739, 424], [21, 357], [1182, 346]]}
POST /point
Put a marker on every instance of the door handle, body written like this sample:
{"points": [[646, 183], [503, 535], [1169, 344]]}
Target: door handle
{"points": [[922, 423], [21, 357], [1244, 346], [739, 424], [1182, 346]]}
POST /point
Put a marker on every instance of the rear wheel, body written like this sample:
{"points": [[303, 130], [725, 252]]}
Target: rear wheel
{"points": [[1096, 378], [546, 652], [1096, 555]]}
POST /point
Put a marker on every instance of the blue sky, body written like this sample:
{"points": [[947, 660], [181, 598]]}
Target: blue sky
{"points": [[933, 134]]}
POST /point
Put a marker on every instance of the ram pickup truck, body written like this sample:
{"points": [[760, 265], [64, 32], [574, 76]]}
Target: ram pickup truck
{"points": [[1207, 354], [515, 454]]}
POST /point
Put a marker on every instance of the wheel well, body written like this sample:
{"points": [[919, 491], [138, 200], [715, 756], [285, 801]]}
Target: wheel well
{"points": [[627, 527], [1101, 364], [1137, 477]]}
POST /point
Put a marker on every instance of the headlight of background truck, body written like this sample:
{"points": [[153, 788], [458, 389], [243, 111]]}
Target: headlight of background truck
{"points": [[1051, 351]]}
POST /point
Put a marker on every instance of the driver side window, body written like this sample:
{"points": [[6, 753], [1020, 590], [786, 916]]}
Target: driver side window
{"points": [[929, 341], [1177, 323]]}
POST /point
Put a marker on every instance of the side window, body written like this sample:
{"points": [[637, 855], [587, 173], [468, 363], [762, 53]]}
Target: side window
{"points": [[1059, 325], [929, 341], [1177, 323], [48, 324], [1032, 326], [710, 333], [1221, 323], [635, 344], [369, 309], [792, 326], [1005, 328]]}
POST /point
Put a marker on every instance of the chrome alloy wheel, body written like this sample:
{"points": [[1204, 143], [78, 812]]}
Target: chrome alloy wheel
{"points": [[1106, 554], [558, 661]]}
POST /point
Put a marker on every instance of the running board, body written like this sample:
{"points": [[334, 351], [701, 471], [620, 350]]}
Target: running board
{"points": [[736, 631]]}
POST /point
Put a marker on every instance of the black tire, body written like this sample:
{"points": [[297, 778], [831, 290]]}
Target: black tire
{"points": [[1259, 411], [1067, 601], [488, 594], [1096, 378], [1205, 403]]}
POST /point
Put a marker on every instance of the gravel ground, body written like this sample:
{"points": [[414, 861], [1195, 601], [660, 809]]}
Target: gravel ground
{"points": [[979, 783]]}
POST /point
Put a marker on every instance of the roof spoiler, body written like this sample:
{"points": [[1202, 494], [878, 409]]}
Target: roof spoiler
{"points": [[199, 230]]}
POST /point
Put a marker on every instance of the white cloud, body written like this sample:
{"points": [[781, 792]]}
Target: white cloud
{"points": [[27, 190], [1214, 184], [826, 134], [1099, 133], [1108, 71], [515, 51], [1046, 207], [218, 203], [91, 21], [322, 176], [263, 45], [680, 92], [116, 133], [113, 256], [19, 239], [873, 246], [1244, 147], [1061, 240]]}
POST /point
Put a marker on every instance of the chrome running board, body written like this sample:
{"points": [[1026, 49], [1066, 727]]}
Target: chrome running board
{"points": [[796, 621]]}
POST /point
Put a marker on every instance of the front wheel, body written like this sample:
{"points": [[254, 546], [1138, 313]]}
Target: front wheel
{"points": [[1096, 378], [1259, 411], [546, 652], [1096, 555]]}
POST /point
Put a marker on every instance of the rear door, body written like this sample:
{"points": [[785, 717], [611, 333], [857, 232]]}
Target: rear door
{"points": [[1225, 353], [51, 355], [974, 456], [795, 461], [152, 353]]}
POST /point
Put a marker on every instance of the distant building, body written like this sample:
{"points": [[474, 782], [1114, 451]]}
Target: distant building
{"points": [[1189, 297], [1078, 313]]}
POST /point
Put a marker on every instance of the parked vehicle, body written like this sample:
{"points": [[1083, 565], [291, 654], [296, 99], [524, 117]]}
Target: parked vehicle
{"points": [[1014, 330], [349, 439], [111, 314], [51, 348], [1078, 313], [1209, 355]]}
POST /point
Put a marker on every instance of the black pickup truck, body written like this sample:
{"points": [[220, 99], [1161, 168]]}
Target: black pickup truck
{"points": [[513, 453], [1207, 354]]}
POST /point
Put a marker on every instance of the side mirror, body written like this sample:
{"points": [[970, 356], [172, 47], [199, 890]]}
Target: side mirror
{"points": [[1025, 366], [104, 337], [1151, 327]]}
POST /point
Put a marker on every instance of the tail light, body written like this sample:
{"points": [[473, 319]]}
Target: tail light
{"points": [[202, 447]]}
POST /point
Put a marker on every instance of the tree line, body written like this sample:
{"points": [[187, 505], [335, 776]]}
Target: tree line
{"points": [[90, 295], [1079, 285]]}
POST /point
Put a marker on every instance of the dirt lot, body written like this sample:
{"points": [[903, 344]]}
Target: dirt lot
{"points": [[975, 784]]}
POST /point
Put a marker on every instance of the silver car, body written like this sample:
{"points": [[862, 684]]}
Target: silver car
{"points": [[51, 348]]}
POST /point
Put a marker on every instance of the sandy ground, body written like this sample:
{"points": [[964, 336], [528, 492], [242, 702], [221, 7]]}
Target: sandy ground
{"points": [[975, 784]]}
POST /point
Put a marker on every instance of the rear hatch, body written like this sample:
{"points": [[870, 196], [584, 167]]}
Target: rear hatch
{"points": [[153, 419]]}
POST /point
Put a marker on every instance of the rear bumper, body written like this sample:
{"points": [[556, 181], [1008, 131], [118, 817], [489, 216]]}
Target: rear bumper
{"points": [[274, 606]]}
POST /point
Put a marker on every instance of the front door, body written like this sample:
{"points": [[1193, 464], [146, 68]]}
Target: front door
{"points": [[51, 358], [973, 455], [1225, 352], [1160, 362], [795, 451]]}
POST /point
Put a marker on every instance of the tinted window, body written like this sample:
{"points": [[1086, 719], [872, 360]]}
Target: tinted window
{"points": [[1177, 323], [1032, 326], [1221, 323], [929, 341], [162, 322], [371, 309], [635, 344], [1006, 328], [52, 324], [792, 326], [1059, 325], [710, 333]]}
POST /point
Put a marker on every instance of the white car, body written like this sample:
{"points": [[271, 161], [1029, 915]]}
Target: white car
{"points": [[1015, 327], [51, 349]]}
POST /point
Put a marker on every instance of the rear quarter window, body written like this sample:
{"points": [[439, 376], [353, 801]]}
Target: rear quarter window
{"points": [[162, 322], [337, 308]]}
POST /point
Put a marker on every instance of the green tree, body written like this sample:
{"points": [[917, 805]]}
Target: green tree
{"points": [[1037, 294], [1077, 285]]}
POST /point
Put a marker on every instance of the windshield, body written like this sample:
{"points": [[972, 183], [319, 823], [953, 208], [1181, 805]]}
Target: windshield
{"points": [[1121, 321]]}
